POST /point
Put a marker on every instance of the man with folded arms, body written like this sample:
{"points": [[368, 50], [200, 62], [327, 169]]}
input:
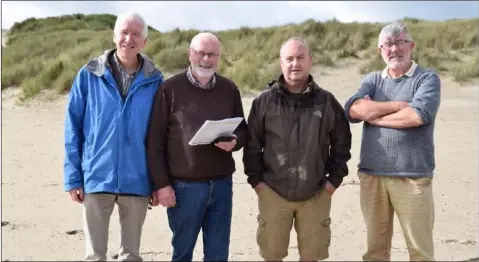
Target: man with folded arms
{"points": [[398, 106]]}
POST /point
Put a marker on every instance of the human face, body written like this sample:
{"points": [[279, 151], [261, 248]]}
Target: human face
{"points": [[129, 38], [396, 51], [295, 61], [204, 57]]}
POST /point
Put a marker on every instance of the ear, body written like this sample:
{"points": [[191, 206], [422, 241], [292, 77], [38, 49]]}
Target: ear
{"points": [[145, 41], [413, 45], [379, 50]]}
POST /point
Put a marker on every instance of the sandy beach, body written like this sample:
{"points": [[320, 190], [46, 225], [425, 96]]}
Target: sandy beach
{"points": [[40, 222]]}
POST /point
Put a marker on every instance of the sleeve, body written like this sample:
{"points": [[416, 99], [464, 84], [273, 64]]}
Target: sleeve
{"points": [[366, 88], [73, 133], [242, 129], [253, 150], [156, 139], [340, 149], [427, 98]]}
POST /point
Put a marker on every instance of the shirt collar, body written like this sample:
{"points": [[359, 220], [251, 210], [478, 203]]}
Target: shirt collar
{"points": [[409, 72], [197, 83], [117, 62]]}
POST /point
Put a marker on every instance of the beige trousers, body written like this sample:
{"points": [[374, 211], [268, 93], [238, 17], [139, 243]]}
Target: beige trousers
{"points": [[311, 219], [96, 217], [412, 200]]}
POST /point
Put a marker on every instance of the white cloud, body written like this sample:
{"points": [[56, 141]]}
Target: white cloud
{"points": [[17, 11], [220, 15], [344, 11], [203, 15]]}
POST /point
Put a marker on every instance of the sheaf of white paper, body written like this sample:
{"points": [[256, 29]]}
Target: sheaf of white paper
{"points": [[211, 130]]}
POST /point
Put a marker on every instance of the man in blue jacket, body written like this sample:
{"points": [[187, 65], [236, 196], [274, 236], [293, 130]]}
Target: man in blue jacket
{"points": [[105, 132]]}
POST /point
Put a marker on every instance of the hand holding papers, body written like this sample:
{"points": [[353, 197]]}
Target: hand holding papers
{"points": [[211, 130]]}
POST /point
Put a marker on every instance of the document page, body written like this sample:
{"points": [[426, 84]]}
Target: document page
{"points": [[211, 130]]}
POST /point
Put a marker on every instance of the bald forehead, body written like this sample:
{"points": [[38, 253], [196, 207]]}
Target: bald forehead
{"points": [[294, 48], [205, 39]]}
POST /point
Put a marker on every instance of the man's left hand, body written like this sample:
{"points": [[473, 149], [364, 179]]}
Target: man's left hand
{"points": [[330, 188], [227, 146]]}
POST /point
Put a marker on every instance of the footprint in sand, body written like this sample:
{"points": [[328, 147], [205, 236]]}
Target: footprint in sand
{"points": [[74, 232], [13, 226], [461, 242], [115, 256]]}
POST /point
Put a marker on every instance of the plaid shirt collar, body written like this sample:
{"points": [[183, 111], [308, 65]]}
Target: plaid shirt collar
{"points": [[197, 83], [118, 64]]}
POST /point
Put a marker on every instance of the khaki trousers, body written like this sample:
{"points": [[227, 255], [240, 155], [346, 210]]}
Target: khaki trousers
{"points": [[311, 220], [96, 217], [412, 200]]}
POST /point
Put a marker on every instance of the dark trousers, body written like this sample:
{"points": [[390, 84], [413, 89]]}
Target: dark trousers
{"points": [[206, 206]]}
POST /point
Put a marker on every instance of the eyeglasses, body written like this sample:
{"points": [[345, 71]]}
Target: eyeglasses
{"points": [[389, 45], [203, 54]]}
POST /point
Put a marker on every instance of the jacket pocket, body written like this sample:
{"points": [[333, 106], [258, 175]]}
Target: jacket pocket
{"points": [[261, 237], [326, 231]]}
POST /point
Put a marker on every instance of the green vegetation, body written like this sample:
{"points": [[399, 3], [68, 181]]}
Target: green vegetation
{"points": [[67, 22], [47, 53]]}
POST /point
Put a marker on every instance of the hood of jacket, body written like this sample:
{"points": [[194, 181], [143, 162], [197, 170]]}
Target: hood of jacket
{"points": [[99, 64]]}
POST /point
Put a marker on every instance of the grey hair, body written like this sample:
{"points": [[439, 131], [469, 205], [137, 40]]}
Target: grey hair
{"points": [[393, 30], [203, 35], [296, 38], [125, 16]]}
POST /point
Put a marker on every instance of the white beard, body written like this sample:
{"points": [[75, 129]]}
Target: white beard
{"points": [[395, 64], [202, 72]]}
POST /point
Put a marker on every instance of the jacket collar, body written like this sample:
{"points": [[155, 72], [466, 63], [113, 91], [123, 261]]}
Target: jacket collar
{"points": [[99, 64], [279, 85]]}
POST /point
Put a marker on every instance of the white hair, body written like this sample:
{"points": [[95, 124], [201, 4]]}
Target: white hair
{"points": [[130, 15], [393, 30], [195, 42]]}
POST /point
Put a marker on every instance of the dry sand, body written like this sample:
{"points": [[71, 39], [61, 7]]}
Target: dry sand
{"points": [[39, 213]]}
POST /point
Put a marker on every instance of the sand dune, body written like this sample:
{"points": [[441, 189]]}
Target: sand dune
{"points": [[40, 222], [4, 37]]}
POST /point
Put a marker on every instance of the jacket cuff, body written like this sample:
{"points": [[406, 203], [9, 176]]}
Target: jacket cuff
{"points": [[161, 184], [335, 180], [254, 180], [70, 186]]}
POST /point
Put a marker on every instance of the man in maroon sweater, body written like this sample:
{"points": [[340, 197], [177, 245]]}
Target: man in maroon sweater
{"points": [[195, 182]]}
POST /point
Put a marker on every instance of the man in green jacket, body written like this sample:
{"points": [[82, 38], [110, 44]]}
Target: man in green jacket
{"points": [[295, 157]]}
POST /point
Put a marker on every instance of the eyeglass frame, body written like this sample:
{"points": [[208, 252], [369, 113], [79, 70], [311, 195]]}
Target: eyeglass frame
{"points": [[202, 54], [395, 43]]}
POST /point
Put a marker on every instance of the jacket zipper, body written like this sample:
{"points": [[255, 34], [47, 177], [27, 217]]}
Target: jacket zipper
{"points": [[298, 126], [123, 103]]}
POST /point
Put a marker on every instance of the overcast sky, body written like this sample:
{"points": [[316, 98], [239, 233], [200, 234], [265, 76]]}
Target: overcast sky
{"points": [[218, 15]]}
